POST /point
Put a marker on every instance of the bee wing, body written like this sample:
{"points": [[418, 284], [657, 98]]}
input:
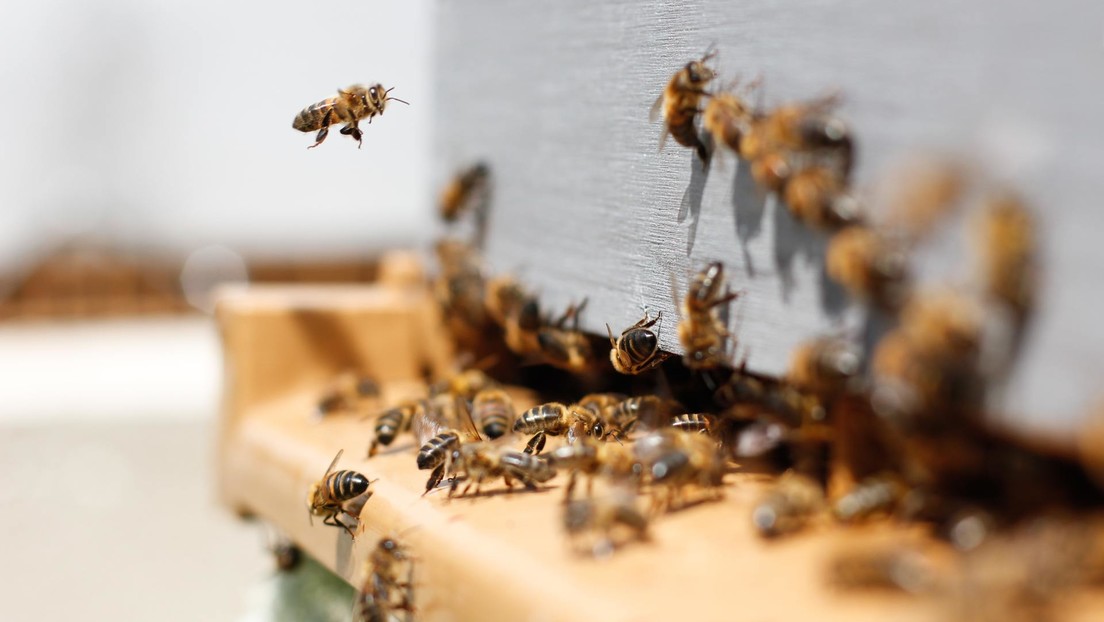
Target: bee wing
{"points": [[428, 422], [657, 107], [465, 423], [333, 463]]}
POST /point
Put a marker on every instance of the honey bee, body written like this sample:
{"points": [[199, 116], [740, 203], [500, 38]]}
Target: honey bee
{"points": [[892, 568], [591, 458], [680, 102], [676, 462], [648, 412], [392, 422], [701, 330], [606, 516], [788, 505], [286, 554], [382, 591], [637, 349], [349, 107], [728, 117], [466, 384], [504, 297], [556, 419], [1006, 240], [328, 496], [345, 393], [445, 423], [476, 463], [869, 265], [469, 188], [566, 348], [878, 494], [698, 423], [825, 366], [460, 285], [493, 411]]}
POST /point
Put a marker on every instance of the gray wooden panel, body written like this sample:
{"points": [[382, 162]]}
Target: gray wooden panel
{"points": [[555, 95]]}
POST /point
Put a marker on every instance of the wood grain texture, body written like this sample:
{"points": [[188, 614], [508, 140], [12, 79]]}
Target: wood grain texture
{"points": [[555, 96]]}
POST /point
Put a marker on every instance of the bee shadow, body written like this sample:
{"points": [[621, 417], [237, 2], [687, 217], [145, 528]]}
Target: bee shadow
{"points": [[749, 203], [692, 197], [791, 239], [494, 492]]}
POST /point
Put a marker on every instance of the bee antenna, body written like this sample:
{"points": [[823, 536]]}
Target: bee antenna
{"points": [[396, 99]]}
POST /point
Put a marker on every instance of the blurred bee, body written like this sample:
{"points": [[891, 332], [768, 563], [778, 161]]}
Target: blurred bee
{"points": [[345, 393], [556, 419], [285, 553], [493, 411], [698, 423], [466, 384], [637, 349], [728, 117], [591, 458], [460, 285], [349, 107], [646, 412], [892, 568], [878, 494], [1005, 237], [382, 591], [476, 463], [675, 462], [468, 189], [824, 366], [788, 505], [701, 329], [605, 516], [566, 348], [504, 297], [869, 265], [392, 422], [680, 102], [328, 496], [445, 423]]}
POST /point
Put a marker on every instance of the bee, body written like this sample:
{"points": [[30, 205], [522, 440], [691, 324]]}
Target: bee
{"points": [[476, 463], [649, 412], [382, 592], [349, 107], [591, 458], [460, 284], [523, 329], [466, 384], [493, 410], [566, 348], [728, 117], [345, 393], [556, 419], [445, 424], [287, 555], [788, 505], [676, 461], [892, 568], [503, 298], [680, 102], [469, 188], [328, 496], [606, 516], [699, 423], [1006, 241], [637, 349], [874, 495], [869, 265], [392, 422], [824, 366], [701, 330]]}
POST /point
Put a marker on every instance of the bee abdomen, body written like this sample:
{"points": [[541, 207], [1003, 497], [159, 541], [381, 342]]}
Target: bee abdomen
{"points": [[641, 344], [310, 118], [669, 466], [693, 422], [345, 485], [527, 467], [546, 417], [434, 451], [388, 425]]}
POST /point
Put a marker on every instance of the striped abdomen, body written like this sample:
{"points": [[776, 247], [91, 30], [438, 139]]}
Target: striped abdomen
{"points": [[494, 412], [344, 485], [527, 467], [390, 423], [310, 118], [436, 449], [693, 422], [549, 418]]}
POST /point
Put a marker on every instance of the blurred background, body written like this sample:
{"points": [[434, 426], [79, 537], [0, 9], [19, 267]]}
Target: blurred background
{"points": [[149, 155]]}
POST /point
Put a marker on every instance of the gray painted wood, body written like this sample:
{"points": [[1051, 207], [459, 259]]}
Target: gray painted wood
{"points": [[555, 95]]}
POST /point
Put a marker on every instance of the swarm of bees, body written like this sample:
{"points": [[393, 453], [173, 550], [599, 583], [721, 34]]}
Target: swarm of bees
{"points": [[894, 430]]}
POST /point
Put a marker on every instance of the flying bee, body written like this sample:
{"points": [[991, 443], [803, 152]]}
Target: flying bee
{"points": [[446, 423], [467, 190], [804, 128], [476, 463], [677, 461], [328, 496], [345, 393], [392, 422], [698, 423], [818, 197], [566, 348], [648, 412], [349, 107], [1005, 239], [460, 284], [556, 419], [728, 117], [591, 458], [701, 329], [869, 265], [382, 591], [493, 411], [637, 349], [788, 505], [878, 494], [605, 516], [680, 102], [825, 365]]}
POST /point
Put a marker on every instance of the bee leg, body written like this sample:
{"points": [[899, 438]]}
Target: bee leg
{"points": [[353, 130], [434, 479], [321, 136], [536, 444]]}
